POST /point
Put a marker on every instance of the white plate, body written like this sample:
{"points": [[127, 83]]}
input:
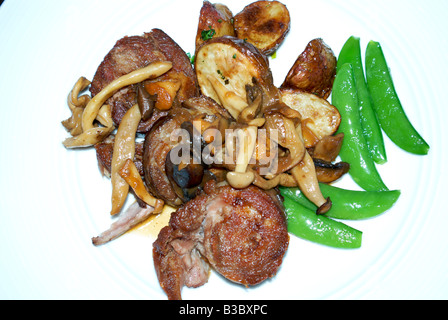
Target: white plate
{"points": [[54, 200]]}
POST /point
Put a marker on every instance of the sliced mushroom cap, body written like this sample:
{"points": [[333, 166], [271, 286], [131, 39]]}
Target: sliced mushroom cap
{"points": [[328, 172]]}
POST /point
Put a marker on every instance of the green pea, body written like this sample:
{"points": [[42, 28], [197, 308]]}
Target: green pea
{"points": [[387, 105], [348, 204], [354, 148], [306, 224], [351, 53]]}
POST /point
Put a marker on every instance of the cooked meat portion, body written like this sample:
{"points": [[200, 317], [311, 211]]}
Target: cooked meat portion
{"points": [[128, 54], [241, 233], [158, 143], [135, 52], [161, 139], [104, 151]]}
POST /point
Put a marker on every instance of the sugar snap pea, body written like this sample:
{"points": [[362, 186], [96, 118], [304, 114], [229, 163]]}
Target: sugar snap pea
{"points": [[351, 53], [348, 204], [306, 224], [387, 105], [354, 149]]}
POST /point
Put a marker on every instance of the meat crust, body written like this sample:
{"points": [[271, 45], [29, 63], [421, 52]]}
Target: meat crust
{"points": [[134, 52], [241, 233]]}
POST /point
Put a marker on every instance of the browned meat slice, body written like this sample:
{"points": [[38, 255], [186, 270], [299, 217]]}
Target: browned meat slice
{"points": [[241, 233], [104, 151], [135, 52], [159, 141]]}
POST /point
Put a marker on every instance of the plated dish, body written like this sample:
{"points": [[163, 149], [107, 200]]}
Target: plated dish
{"points": [[119, 254]]}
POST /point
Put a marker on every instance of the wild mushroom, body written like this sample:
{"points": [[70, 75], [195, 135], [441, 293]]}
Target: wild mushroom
{"points": [[77, 105], [229, 99], [130, 174], [283, 122], [282, 179], [254, 100], [124, 148], [184, 178], [153, 70], [327, 172], [305, 175], [327, 149], [145, 102], [241, 177]]}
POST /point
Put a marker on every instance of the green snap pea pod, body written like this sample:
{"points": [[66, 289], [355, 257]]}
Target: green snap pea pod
{"points": [[306, 224], [351, 53], [354, 148], [348, 204], [387, 105]]}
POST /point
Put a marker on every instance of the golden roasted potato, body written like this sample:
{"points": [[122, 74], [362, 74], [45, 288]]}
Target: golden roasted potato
{"points": [[215, 20], [265, 24], [225, 65], [314, 70], [319, 118]]}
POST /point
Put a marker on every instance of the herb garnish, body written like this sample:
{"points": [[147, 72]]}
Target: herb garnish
{"points": [[208, 34]]}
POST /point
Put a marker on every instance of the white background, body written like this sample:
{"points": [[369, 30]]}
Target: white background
{"points": [[54, 200]]}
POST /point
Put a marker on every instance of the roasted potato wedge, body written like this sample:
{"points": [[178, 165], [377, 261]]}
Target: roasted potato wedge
{"points": [[225, 65], [215, 20], [265, 24], [318, 115], [314, 70]]}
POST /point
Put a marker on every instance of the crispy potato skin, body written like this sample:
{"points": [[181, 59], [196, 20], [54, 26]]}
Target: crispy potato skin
{"points": [[314, 70], [265, 24], [217, 17]]}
